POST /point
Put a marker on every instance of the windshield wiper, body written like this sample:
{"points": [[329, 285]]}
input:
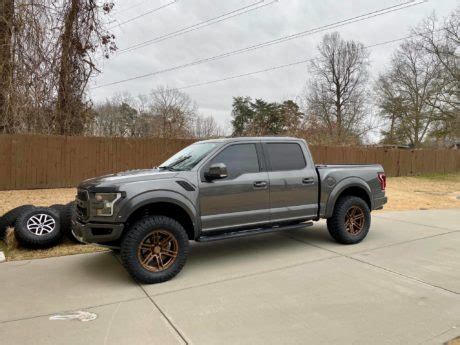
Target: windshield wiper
{"points": [[166, 167], [173, 164]]}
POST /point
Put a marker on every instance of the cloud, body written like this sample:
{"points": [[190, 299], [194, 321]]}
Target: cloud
{"points": [[282, 18]]}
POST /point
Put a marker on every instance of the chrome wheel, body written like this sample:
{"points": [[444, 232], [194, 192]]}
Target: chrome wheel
{"points": [[41, 224], [354, 220], [158, 251]]}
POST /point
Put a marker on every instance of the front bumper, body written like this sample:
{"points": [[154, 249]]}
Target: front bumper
{"points": [[96, 232]]}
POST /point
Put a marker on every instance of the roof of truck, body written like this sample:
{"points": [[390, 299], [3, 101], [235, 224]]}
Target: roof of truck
{"points": [[235, 139]]}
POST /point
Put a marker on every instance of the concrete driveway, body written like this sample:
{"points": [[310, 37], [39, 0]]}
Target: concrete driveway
{"points": [[400, 286]]}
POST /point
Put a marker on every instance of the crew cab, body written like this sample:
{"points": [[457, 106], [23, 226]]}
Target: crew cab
{"points": [[219, 189]]}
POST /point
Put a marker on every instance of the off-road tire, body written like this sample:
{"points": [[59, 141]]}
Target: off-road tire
{"points": [[137, 233], [8, 220], [337, 223], [58, 207], [28, 239], [66, 221]]}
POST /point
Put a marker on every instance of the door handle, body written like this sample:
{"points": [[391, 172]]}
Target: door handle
{"points": [[260, 184], [308, 180]]}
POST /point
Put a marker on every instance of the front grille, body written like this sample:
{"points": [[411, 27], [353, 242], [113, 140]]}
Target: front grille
{"points": [[82, 213], [82, 195], [82, 205]]}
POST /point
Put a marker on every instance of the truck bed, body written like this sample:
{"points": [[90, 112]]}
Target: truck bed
{"points": [[335, 178]]}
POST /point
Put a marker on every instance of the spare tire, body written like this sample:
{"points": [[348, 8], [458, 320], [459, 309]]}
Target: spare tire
{"points": [[39, 227], [66, 221], [8, 220], [58, 208]]}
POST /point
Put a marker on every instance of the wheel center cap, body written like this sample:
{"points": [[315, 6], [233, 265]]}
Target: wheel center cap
{"points": [[157, 249]]}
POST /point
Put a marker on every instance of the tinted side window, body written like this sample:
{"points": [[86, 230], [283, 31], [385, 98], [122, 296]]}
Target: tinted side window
{"points": [[285, 156], [239, 159]]}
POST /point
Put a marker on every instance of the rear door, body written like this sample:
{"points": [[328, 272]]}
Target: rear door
{"points": [[293, 181], [242, 198]]}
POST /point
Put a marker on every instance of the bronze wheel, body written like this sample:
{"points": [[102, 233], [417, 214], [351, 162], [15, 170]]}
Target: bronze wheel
{"points": [[158, 251], [354, 220], [350, 220]]}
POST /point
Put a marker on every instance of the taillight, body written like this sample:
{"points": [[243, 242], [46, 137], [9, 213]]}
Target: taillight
{"points": [[383, 180]]}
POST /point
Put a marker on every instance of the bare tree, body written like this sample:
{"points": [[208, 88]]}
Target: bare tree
{"points": [[81, 36], [163, 113], [6, 62], [172, 113], [36, 55], [441, 40], [50, 59], [336, 97], [206, 127], [409, 94]]}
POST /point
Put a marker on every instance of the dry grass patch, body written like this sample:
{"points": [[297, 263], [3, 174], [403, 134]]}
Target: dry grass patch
{"points": [[10, 199], [423, 192], [14, 252]]}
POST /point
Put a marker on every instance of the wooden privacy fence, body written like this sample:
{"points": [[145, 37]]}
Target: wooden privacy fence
{"points": [[38, 161], [396, 162]]}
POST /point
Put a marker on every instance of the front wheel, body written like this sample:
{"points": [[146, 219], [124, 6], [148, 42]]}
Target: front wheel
{"points": [[154, 249], [350, 220]]}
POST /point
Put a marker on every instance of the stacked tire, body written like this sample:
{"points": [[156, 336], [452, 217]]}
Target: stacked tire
{"points": [[8, 220], [39, 227]]}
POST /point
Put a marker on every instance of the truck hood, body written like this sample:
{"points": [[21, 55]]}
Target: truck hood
{"points": [[118, 179]]}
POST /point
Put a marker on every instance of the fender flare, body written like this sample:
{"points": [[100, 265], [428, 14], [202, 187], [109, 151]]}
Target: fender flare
{"points": [[138, 201], [343, 185]]}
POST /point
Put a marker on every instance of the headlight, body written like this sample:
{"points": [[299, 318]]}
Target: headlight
{"points": [[103, 203]]}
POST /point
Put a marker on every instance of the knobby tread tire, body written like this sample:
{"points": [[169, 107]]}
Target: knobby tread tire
{"points": [[29, 240], [136, 233], [8, 220], [58, 207], [336, 224], [66, 221]]}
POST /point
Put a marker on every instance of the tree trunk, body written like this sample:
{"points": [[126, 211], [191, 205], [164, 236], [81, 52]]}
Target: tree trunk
{"points": [[6, 64], [65, 97], [338, 105]]}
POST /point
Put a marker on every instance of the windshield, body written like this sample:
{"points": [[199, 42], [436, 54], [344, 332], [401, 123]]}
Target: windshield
{"points": [[187, 158]]}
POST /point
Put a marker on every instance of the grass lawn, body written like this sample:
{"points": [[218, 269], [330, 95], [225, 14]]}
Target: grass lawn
{"points": [[423, 192], [404, 193]]}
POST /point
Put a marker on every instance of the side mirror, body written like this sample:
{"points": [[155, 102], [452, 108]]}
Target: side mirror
{"points": [[216, 171]]}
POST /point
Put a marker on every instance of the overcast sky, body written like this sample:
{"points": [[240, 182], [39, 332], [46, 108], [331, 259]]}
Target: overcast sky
{"points": [[272, 21]]}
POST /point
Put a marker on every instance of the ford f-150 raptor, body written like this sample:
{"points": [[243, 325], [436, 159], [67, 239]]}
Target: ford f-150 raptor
{"points": [[219, 189]]}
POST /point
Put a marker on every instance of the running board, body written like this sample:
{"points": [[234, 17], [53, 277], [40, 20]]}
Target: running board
{"points": [[244, 233]]}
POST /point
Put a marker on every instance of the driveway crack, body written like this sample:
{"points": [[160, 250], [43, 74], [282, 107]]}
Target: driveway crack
{"points": [[168, 320], [176, 329]]}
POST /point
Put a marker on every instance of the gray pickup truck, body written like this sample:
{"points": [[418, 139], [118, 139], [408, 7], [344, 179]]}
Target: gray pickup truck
{"points": [[219, 189]]}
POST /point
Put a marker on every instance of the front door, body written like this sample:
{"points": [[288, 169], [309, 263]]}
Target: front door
{"points": [[241, 200]]}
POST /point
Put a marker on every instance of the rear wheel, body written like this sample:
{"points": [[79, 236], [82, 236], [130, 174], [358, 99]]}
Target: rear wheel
{"points": [[350, 221], [154, 249]]}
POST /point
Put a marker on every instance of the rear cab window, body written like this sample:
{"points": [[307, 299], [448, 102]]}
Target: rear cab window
{"points": [[285, 156]]}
